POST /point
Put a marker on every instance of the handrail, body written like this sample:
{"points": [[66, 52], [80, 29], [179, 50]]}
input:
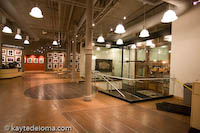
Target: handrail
{"points": [[113, 86], [131, 79]]}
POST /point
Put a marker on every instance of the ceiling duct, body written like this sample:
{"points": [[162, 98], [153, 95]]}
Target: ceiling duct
{"points": [[181, 6], [19, 19]]}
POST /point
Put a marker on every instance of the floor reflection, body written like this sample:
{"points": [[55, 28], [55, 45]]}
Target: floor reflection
{"points": [[56, 91]]}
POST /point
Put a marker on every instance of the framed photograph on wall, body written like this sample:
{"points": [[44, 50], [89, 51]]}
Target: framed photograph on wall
{"points": [[3, 51], [24, 60], [41, 60], [50, 60], [61, 54], [49, 54], [10, 52], [29, 60], [18, 58], [60, 66], [55, 66], [10, 59], [35, 60], [55, 61], [19, 65], [55, 55], [3, 58], [49, 66], [60, 60], [18, 52]]}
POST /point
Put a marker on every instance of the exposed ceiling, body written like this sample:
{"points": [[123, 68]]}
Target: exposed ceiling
{"points": [[68, 17]]}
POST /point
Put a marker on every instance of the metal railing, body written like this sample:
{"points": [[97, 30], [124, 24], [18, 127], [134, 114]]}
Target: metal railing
{"points": [[128, 86]]}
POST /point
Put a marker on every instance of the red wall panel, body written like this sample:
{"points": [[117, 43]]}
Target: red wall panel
{"points": [[34, 66]]}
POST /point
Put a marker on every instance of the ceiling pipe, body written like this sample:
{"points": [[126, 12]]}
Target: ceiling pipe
{"points": [[181, 6], [149, 2], [21, 22]]}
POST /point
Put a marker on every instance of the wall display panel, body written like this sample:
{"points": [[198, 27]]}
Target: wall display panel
{"points": [[49, 54], [41, 60], [9, 55], [19, 65], [50, 60], [29, 60], [55, 55], [60, 60], [10, 59], [35, 60], [3, 51], [18, 59], [18, 52], [49, 66], [55, 66], [10, 52], [4, 58], [34, 63], [60, 66], [56, 61]]}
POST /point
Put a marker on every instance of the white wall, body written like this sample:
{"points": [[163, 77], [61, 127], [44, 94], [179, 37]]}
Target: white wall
{"points": [[185, 56]]}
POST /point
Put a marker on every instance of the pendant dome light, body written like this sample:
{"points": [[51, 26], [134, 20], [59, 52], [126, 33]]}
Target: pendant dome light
{"points": [[169, 16], [100, 39], [108, 45], [27, 40], [144, 32], [18, 36], [133, 46], [119, 42], [6, 29], [36, 12], [120, 29], [55, 43]]}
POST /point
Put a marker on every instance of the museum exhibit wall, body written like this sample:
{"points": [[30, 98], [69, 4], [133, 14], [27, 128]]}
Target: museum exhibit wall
{"points": [[185, 56], [34, 63], [114, 54], [56, 60]]}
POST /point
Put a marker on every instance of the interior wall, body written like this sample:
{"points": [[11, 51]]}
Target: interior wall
{"points": [[185, 62], [114, 54]]}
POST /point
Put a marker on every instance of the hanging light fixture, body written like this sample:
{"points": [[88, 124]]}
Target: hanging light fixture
{"points": [[55, 43], [133, 46], [144, 32], [139, 44], [36, 12], [27, 40], [18, 36], [100, 39], [6, 29], [119, 42], [169, 16], [108, 46], [120, 29]]}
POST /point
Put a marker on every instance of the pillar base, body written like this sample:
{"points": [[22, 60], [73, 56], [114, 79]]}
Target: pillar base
{"points": [[87, 98]]}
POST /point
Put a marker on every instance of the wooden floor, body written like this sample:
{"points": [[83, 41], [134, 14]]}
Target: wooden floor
{"points": [[44, 99]]}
